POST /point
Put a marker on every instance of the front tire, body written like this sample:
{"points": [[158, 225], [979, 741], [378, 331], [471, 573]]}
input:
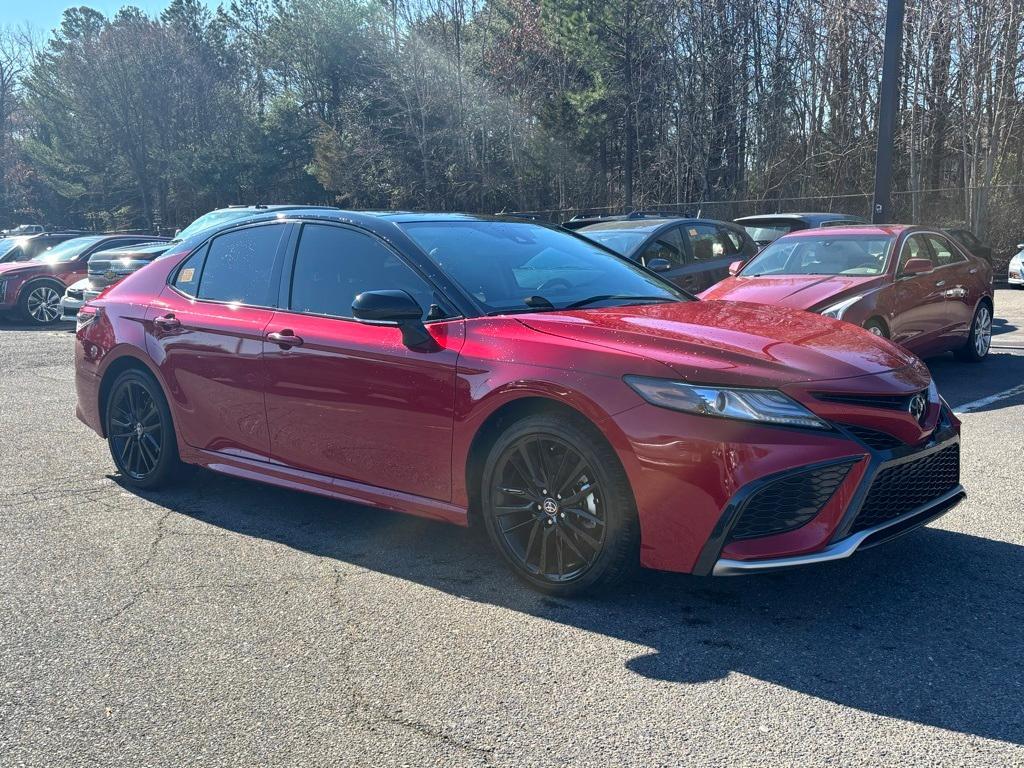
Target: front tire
{"points": [[39, 303], [877, 328], [558, 506], [140, 433], [979, 341]]}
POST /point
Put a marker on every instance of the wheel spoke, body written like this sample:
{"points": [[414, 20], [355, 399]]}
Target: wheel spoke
{"points": [[523, 524], [505, 511], [580, 495], [527, 468], [586, 515], [517, 492], [529, 543], [568, 541], [567, 484], [542, 563], [589, 540]]}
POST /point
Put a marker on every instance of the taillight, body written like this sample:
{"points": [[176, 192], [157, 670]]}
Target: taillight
{"points": [[86, 316]]}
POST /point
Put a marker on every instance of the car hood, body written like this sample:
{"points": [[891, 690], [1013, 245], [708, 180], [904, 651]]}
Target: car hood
{"points": [[16, 268], [148, 250], [731, 343], [795, 291]]}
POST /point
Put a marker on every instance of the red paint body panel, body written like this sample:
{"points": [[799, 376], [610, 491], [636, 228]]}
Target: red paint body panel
{"points": [[18, 274], [353, 413]]}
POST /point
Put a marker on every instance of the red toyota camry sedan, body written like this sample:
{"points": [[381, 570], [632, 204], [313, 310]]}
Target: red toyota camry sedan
{"points": [[588, 414], [915, 286]]}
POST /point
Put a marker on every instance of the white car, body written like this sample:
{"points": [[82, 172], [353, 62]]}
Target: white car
{"points": [[74, 297], [1016, 272]]}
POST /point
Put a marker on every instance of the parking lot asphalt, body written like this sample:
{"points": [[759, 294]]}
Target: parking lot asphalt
{"points": [[227, 623]]}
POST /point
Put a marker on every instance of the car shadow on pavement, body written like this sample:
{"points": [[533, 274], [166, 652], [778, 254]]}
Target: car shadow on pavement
{"points": [[926, 629]]}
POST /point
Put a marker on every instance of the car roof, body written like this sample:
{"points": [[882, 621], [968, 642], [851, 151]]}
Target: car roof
{"points": [[810, 218], [865, 230], [641, 224]]}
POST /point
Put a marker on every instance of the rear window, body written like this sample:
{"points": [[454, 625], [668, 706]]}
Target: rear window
{"points": [[238, 268], [767, 231]]}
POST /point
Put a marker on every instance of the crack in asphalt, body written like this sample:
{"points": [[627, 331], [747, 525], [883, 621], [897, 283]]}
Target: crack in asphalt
{"points": [[135, 572]]}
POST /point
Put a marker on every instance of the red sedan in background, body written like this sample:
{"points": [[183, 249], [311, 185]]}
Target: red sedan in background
{"points": [[589, 414], [913, 285], [31, 290]]}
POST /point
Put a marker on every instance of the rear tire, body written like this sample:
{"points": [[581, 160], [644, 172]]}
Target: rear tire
{"points": [[140, 432], [39, 303], [979, 340], [557, 505]]}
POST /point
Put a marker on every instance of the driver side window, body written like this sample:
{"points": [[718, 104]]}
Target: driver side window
{"points": [[333, 265], [668, 246], [916, 247]]}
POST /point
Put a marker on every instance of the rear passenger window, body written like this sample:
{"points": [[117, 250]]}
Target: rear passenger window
{"points": [[333, 265], [945, 253], [239, 266], [187, 280]]}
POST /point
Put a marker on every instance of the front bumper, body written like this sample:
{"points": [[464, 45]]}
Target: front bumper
{"points": [[860, 526], [843, 548]]}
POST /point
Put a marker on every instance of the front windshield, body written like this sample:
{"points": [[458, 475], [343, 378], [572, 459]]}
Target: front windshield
{"points": [[523, 267], [824, 254], [8, 244], [212, 219], [69, 250]]}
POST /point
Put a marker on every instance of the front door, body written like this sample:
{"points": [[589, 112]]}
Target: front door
{"points": [[205, 332], [348, 399]]}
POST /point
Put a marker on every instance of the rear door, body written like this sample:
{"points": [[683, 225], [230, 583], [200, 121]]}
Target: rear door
{"points": [[349, 399], [205, 331], [960, 285], [919, 311]]}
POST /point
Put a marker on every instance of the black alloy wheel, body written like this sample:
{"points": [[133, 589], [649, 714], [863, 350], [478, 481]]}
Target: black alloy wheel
{"points": [[558, 506], [139, 431]]}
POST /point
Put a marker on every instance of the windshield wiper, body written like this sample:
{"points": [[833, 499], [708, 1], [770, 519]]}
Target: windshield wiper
{"points": [[610, 296]]}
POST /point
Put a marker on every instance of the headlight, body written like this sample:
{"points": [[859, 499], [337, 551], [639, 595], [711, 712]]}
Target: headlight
{"points": [[767, 406], [836, 310]]}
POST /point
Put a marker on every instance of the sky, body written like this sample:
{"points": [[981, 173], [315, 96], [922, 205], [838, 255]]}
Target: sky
{"points": [[44, 15]]}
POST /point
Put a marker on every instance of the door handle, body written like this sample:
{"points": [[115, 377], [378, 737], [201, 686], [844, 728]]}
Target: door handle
{"points": [[285, 338], [167, 322]]}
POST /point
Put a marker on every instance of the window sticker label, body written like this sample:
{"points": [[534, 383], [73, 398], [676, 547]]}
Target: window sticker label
{"points": [[187, 274]]}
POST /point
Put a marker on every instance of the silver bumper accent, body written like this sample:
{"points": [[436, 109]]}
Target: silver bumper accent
{"points": [[843, 548]]}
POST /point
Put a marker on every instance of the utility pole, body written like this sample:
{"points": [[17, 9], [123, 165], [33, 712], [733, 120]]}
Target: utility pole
{"points": [[881, 212]]}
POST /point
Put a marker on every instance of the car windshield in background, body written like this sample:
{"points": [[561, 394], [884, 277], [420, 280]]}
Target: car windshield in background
{"points": [[8, 244], [69, 250], [522, 267], [212, 219], [768, 233], [621, 236], [822, 255]]}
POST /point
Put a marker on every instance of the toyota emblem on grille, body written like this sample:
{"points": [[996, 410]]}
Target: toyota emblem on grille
{"points": [[917, 408]]}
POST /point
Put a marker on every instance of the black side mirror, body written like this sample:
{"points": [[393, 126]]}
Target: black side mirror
{"points": [[659, 265], [394, 308]]}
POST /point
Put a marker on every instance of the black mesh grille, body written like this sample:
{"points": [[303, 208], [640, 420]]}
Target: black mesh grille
{"points": [[873, 438], [789, 502], [900, 489]]}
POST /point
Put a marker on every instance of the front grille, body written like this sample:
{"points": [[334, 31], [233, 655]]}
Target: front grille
{"points": [[904, 487], [873, 438], [789, 502], [891, 402]]}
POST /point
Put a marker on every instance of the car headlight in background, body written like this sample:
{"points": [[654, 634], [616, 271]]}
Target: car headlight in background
{"points": [[86, 316], [836, 310], [767, 406]]}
